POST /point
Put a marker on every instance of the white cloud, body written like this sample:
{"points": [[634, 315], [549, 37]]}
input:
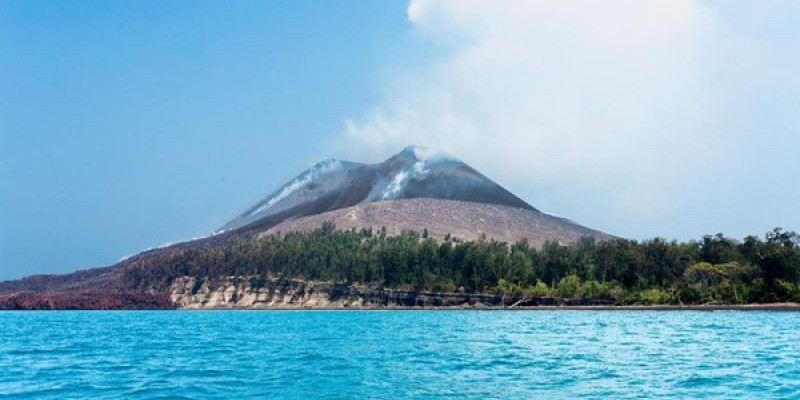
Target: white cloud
{"points": [[570, 103]]}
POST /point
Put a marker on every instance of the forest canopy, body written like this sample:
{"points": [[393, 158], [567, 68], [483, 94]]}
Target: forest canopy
{"points": [[714, 269]]}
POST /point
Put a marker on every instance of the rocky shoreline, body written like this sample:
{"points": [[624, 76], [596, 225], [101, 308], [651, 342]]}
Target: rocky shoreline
{"points": [[793, 307], [84, 300], [259, 293], [252, 293]]}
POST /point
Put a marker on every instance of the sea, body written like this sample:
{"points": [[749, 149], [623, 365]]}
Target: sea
{"points": [[399, 355]]}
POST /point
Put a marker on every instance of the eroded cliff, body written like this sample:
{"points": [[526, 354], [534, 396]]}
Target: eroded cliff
{"points": [[262, 293]]}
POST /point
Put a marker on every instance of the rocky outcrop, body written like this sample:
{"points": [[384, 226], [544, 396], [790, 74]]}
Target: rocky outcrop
{"points": [[263, 293]]}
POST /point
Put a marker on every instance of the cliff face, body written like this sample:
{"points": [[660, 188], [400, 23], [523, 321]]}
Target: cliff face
{"points": [[237, 292], [261, 293], [252, 292]]}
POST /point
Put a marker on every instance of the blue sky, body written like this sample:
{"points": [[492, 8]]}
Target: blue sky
{"points": [[125, 125]]}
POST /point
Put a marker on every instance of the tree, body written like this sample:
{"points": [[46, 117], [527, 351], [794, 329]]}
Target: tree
{"points": [[714, 269]]}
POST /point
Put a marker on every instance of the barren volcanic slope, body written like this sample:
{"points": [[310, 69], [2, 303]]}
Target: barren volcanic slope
{"points": [[462, 219], [413, 173], [413, 190]]}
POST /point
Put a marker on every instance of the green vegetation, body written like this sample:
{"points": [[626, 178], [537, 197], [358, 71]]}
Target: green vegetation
{"points": [[715, 269]]}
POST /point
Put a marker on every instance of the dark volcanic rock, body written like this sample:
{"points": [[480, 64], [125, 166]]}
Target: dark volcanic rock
{"points": [[413, 173], [95, 279], [84, 301]]}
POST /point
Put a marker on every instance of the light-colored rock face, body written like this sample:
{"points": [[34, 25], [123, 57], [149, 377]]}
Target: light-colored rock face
{"points": [[262, 293], [239, 292], [257, 293], [464, 220]]}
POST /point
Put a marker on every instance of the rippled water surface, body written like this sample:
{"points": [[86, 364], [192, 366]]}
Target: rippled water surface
{"points": [[399, 355]]}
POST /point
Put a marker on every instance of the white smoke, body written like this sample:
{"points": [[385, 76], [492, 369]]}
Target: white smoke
{"points": [[297, 183], [395, 186], [417, 170], [566, 101]]}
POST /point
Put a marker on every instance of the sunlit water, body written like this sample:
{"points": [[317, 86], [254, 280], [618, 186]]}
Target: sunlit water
{"points": [[400, 355]]}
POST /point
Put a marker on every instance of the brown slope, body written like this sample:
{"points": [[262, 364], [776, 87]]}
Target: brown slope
{"points": [[464, 220], [104, 278]]}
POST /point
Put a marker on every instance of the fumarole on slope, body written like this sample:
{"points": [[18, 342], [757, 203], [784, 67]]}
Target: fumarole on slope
{"points": [[415, 172]]}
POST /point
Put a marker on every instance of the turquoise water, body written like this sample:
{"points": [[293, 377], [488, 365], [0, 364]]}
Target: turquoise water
{"points": [[399, 355]]}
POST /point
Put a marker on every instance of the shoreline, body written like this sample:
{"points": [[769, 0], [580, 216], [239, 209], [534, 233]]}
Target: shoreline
{"points": [[329, 299], [745, 308], [732, 307]]}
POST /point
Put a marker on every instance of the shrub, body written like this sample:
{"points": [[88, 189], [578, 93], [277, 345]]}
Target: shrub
{"points": [[540, 289], [569, 286], [652, 296]]}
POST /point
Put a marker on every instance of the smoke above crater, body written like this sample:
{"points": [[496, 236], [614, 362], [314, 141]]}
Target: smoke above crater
{"points": [[621, 107]]}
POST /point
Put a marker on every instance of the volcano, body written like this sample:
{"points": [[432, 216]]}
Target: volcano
{"points": [[415, 190]]}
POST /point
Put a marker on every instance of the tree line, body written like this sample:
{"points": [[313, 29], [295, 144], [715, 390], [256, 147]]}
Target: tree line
{"points": [[714, 269]]}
